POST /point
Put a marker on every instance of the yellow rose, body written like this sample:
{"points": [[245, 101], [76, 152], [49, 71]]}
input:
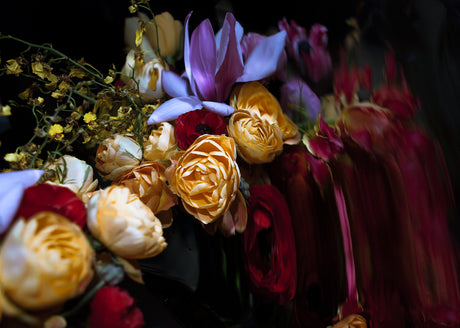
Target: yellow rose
{"points": [[45, 261], [161, 144], [124, 224], [254, 97], [74, 174], [206, 177], [116, 155], [258, 140], [149, 183]]}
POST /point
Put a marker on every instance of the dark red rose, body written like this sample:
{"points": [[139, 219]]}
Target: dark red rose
{"points": [[268, 245], [53, 198], [113, 307], [191, 125]]}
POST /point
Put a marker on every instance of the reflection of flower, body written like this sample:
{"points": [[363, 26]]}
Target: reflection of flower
{"points": [[149, 183], [258, 140], [191, 125], [268, 244], [116, 155], [206, 177], [46, 260], [123, 223], [113, 307]]}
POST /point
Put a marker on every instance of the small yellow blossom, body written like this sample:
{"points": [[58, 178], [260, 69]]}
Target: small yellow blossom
{"points": [[13, 157], [108, 79], [59, 94], [5, 110], [13, 67], [89, 117], [26, 94], [68, 128], [77, 72], [39, 101], [56, 131], [132, 9]]}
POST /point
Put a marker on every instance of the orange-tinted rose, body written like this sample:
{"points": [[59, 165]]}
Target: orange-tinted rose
{"points": [[258, 140], [254, 97], [206, 177], [149, 183]]}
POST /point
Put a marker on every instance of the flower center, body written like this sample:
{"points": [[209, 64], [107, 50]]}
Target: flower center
{"points": [[203, 129]]}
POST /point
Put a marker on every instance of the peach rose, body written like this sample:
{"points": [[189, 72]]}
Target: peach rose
{"points": [[124, 224], [352, 321], [206, 177], [254, 97], [149, 183], [258, 140], [161, 144], [116, 155], [45, 261]]}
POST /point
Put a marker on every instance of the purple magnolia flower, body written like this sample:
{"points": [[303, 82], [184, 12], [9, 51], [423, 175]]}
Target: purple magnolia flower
{"points": [[12, 185], [213, 64]]}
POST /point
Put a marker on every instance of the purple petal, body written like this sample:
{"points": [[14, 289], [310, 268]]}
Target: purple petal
{"points": [[171, 109], [229, 58], [174, 85], [12, 185], [203, 60], [188, 69], [263, 61], [297, 94], [218, 108]]}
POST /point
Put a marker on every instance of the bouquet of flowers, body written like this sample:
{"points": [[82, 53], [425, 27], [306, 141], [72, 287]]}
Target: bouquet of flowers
{"points": [[330, 209]]}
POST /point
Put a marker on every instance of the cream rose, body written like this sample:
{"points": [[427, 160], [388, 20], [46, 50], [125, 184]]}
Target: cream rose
{"points": [[254, 97], [124, 224], [74, 174], [149, 183], [116, 155], [161, 144], [258, 140], [45, 261], [206, 177]]}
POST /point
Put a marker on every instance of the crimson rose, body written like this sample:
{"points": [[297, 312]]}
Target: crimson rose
{"points": [[113, 307], [191, 125], [268, 245], [52, 198]]}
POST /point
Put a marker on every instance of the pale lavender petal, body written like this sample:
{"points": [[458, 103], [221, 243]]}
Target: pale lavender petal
{"points": [[188, 69], [203, 60], [12, 185], [171, 109], [239, 32], [218, 108], [263, 61], [229, 58], [174, 85]]}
